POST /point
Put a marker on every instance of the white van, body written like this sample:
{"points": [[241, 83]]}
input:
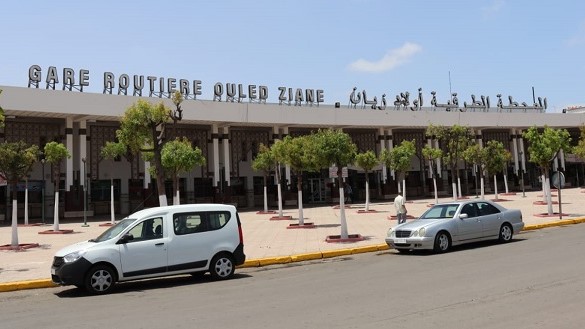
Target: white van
{"points": [[154, 242]]}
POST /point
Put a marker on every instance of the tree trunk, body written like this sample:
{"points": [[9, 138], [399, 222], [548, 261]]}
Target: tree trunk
{"points": [[14, 241], [176, 196], [435, 187], [344, 234], [265, 194], [300, 198], [367, 193], [454, 183], [495, 187], [112, 214], [280, 214]]}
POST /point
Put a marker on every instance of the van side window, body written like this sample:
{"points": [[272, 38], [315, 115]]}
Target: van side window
{"points": [[151, 228], [201, 221]]}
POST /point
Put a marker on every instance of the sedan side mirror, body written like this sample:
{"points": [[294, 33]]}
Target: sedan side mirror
{"points": [[463, 216], [126, 238]]}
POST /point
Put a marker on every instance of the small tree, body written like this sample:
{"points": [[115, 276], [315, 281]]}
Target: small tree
{"points": [[496, 159], [431, 155], [477, 156], [142, 129], [16, 161], [543, 147], [335, 148], [579, 149], [54, 154], [367, 161], [399, 159], [454, 140], [179, 156], [296, 153], [265, 163], [112, 151]]}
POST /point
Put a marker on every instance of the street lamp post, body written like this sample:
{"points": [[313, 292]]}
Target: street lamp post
{"points": [[84, 194]]}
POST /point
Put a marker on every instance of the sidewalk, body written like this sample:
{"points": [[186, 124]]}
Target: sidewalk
{"points": [[271, 241]]}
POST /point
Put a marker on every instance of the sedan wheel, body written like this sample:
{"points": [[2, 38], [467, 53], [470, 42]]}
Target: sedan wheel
{"points": [[442, 242], [222, 267], [506, 233], [100, 279]]}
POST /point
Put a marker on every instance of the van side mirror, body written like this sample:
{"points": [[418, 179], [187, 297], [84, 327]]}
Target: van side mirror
{"points": [[463, 216], [124, 239]]}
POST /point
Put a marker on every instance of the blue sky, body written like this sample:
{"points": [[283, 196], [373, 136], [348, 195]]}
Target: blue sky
{"points": [[381, 46]]}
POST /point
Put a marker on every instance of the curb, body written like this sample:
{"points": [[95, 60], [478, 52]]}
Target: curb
{"points": [[48, 283]]}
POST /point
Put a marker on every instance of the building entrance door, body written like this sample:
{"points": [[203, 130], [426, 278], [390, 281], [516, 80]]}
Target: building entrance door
{"points": [[317, 190]]}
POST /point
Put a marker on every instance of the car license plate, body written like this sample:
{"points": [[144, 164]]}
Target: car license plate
{"points": [[401, 241], [52, 271]]}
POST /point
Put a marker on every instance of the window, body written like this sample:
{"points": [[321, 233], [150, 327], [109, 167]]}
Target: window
{"points": [[470, 210], [151, 228], [197, 222], [486, 209]]}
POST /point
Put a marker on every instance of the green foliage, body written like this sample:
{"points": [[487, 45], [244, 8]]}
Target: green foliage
{"points": [[55, 152], [16, 160], [544, 146], [332, 147], [454, 139], [264, 160], [496, 157], [579, 149], [399, 158], [138, 126], [179, 156], [366, 160], [296, 152], [177, 98], [113, 150], [476, 155], [2, 118], [432, 154]]}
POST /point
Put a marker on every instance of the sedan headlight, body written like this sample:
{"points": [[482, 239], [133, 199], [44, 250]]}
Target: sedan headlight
{"points": [[74, 256], [390, 232], [420, 232]]}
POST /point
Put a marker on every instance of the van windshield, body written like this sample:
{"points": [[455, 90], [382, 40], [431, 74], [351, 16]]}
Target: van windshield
{"points": [[114, 230]]}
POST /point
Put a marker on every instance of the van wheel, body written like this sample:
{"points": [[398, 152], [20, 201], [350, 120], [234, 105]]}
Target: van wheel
{"points": [[222, 267], [100, 279]]}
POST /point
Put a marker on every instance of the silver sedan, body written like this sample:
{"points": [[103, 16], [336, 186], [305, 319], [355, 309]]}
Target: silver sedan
{"points": [[448, 224]]}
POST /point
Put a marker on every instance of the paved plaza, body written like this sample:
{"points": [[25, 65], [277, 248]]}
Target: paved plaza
{"points": [[271, 241]]}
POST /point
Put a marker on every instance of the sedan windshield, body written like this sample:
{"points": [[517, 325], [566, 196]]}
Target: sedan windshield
{"points": [[114, 230], [441, 211]]}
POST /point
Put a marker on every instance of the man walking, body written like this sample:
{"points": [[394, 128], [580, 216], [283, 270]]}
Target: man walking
{"points": [[400, 206]]}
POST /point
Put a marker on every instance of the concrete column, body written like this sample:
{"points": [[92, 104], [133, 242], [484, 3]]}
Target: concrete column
{"points": [[390, 148], [147, 178], [522, 152], [562, 159], [82, 151], [515, 150], [287, 167], [226, 155], [382, 139], [69, 161], [215, 140]]}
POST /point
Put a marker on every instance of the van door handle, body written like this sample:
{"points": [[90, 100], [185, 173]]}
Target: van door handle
{"points": [[159, 244]]}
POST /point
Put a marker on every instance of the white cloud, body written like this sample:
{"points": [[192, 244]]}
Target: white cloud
{"points": [[578, 38], [392, 59], [492, 9]]}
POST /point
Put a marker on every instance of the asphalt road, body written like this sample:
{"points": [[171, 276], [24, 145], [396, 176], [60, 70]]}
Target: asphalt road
{"points": [[536, 281]]}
